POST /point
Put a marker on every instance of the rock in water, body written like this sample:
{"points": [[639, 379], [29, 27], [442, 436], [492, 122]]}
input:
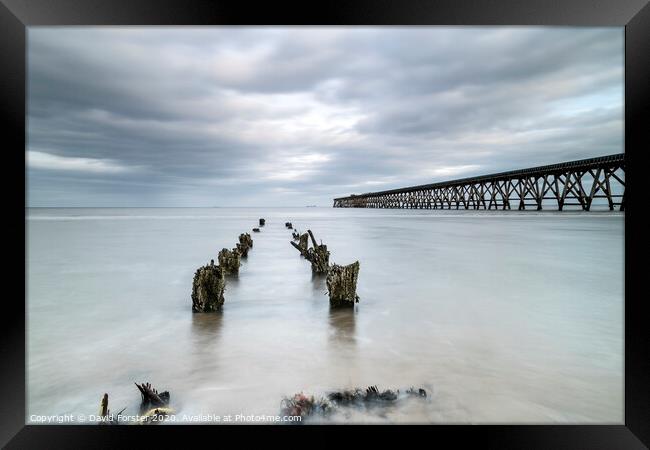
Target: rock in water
{"points": [[288, 225], [229, 260], [262, 222], [207, 288], [256, 230], [342, 284]]}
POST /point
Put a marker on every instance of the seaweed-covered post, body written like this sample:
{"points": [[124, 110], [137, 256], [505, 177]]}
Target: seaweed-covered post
{"points": [[229, 260], [342, 284], [318, 256], [245, 239], [151, 397], [302, 244], [242, 250], [207, 288]]}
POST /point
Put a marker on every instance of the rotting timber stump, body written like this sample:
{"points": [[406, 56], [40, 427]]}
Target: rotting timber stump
{"points": [[342, 284], [318, 256], [242, 249], [207, 288], [302, 245], [230, 260], [245, 239], [151, 397]]}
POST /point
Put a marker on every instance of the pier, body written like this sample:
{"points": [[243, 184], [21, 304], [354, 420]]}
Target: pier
{"points": [[556, 186]]}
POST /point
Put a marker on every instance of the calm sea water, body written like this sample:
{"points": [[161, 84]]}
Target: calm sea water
{"points": [[502, 317]]}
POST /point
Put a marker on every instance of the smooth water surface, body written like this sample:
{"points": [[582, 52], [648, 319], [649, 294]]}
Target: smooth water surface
{"points": [[501, 316]]}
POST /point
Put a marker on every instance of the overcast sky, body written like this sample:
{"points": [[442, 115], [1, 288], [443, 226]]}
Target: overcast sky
{"points": [[290, 116]]}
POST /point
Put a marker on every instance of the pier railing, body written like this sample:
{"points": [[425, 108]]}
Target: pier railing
{"points": [[573, 183]]}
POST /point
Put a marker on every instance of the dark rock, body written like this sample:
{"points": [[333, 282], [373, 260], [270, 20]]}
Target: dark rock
{"points": [[262, 222]]}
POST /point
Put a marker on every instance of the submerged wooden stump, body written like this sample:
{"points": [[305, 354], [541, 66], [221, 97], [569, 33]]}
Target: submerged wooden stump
{"points": [[151, 397], [245, 239], [262, 222], [342, 284], [242, 250], [230, 260], [318, 256], [302, 245], [207, 288], [106, 418]]}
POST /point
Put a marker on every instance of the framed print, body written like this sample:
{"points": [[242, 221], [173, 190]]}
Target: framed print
{"points": [[396, 218]]}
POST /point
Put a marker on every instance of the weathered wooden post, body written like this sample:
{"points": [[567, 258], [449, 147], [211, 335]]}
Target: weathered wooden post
{"points": [[229, 260], [342, 284], [318, 256], [302, 244], [207, 288], [151, 397], [245, 239], [242, 249], [103, 406]]}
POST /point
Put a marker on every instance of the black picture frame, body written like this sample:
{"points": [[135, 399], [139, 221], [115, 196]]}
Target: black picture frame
{"points": [[634, 15]]}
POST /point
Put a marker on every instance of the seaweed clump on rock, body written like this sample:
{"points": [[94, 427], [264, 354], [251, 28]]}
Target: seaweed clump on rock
{"points": [[207, 288], [342, 284], [369, 398], [303, 406], [363, 397]]}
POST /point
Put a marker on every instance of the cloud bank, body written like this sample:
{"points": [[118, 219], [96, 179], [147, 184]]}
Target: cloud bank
{"points": [[294, 116]]}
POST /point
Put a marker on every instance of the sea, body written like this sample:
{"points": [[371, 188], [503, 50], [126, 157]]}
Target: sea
{"points": [[500, 316]]}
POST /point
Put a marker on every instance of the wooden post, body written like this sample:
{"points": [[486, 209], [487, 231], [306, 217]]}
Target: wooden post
{"points": [[230, 260], [207, 288], [342, 284]]}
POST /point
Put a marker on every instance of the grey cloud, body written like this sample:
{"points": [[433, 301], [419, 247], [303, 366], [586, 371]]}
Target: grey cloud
{"points": [[294, 115]]}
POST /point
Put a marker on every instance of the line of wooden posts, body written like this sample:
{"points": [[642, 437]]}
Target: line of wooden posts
{"points": [[341, 280], [210, 280]]}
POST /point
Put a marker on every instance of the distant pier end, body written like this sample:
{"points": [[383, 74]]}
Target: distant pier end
{"points": [[556, 186]]}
